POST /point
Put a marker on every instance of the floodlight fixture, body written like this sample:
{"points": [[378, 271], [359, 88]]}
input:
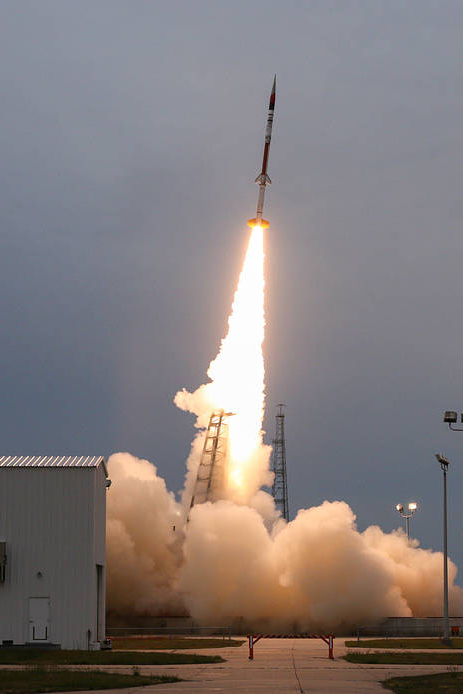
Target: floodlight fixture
{"points": [[444, 463], [450, 417], [412, 506]]}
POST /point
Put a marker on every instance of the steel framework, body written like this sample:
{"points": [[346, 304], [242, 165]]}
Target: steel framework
{"points": [[327, 638], [210, 479], [278, 465]]}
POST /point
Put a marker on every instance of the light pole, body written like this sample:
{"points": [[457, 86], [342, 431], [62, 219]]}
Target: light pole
{"points": [[444, 463], [412, 506]]}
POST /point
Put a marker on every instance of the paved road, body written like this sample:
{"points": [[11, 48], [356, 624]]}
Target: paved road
{"points": [[280, 666]]}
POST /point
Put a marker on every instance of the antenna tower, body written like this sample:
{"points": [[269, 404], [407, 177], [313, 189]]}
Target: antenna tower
{"points": [[210, 478], [278, 465]]}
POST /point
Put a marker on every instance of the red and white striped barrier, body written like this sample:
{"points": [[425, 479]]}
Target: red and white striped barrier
{"points": [[254, 638]]}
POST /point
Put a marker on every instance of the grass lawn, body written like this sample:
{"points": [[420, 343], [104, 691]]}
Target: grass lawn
{"points": [[42, 680], [401, 658], [25, 656], [448, 683], [404, 643], [134, 643]]}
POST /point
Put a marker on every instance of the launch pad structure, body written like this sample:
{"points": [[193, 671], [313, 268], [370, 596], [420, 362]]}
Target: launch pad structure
{"points": [[278, 465], [327, 638], [210, 479]]}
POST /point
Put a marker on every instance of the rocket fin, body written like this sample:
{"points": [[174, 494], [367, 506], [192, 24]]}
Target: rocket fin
{"points": [[263, 179]]}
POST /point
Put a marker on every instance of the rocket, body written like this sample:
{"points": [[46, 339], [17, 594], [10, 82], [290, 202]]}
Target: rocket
{"points": [[263, 178]]}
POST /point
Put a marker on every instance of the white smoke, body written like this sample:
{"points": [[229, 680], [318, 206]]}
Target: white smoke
{"points": [[144, 552], [240, 561], [317, 571]]}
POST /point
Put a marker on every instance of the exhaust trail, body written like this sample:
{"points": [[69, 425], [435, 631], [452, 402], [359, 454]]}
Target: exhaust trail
{"points": [[237, 384]]}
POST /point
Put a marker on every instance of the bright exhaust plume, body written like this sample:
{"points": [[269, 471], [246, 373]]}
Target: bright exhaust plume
{"points": [[237, 383]]}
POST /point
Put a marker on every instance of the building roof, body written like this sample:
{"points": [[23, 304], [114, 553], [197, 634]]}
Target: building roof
{"points": [[53, 461]]}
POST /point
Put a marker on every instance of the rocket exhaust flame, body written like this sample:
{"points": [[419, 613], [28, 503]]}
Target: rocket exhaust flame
{"points": [[238, 371], [237, 380]]}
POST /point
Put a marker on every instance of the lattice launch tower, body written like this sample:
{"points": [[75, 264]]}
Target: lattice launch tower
{"points": [[210, 479], [278, 465]]}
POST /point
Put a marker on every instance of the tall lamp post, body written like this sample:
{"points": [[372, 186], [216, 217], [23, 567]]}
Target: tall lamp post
{"points": [[444, 463], [412, 506], [450, 418]]}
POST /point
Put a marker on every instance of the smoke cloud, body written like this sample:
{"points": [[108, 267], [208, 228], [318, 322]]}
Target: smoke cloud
{"points": [[243, 562], [144, 552], [317, 571]]}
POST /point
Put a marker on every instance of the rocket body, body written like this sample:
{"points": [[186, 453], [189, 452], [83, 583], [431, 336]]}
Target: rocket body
{"points": [[263, 178]]}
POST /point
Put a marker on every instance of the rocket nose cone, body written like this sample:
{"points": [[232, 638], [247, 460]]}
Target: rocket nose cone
{"points": [[272, 95]]}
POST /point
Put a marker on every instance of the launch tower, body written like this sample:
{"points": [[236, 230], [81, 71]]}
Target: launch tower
{"points": [[278, 465], [210, 478]]}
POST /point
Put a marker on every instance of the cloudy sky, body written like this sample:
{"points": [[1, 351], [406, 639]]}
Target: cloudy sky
{"points": [[131, 133]]}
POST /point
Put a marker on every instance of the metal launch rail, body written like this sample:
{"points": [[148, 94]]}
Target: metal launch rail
{"points": [[327, 638]]}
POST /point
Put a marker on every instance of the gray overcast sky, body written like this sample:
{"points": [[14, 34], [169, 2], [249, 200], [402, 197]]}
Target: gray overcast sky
{"points": [[130, 135]]}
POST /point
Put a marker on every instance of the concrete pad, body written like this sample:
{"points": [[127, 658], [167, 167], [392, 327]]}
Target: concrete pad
{"points": [[280, 666]]}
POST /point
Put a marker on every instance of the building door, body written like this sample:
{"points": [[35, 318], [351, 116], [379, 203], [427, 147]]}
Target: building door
{"points": [[39, 619], [99, 602]]}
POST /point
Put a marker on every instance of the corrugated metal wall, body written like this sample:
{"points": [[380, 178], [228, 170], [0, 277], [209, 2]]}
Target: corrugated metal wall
{"points": [[53, 520]]}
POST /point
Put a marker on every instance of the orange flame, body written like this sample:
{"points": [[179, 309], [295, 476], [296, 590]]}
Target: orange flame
{"points": [[237, 373], [237, 385]]}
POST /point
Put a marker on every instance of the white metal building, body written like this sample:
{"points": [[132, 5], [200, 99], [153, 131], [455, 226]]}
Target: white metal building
{"points": [[52, 550]]}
